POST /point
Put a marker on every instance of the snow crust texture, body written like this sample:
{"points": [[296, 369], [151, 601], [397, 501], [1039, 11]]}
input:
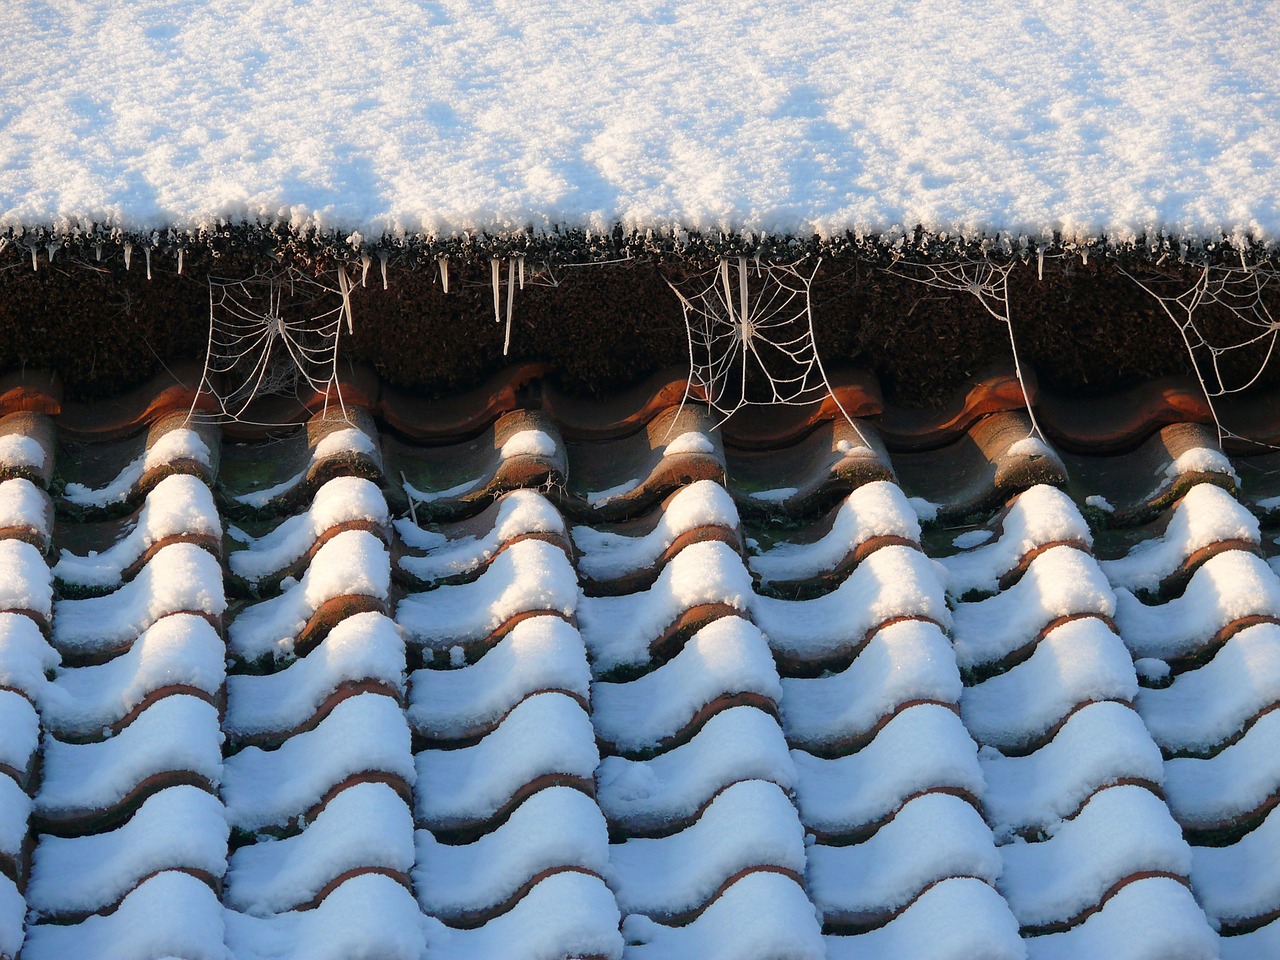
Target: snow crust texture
{"points": [[1158, 118], [501, 733]]}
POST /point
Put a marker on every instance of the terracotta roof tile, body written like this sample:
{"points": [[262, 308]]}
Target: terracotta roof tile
{"points": [[513, 676]]}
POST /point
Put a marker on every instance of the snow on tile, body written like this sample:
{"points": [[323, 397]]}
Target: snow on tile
{"points": [[528, 443], [21, 728], [619, 630], [180, 577], [1041, 515], [546, 734], [1260, 944], [26, 508], [25, 656], [365, 646], [608, 556], [520, 512], [906, 661], [931, 838], [555, 828], [1226, 588], [341, 500], [169, 915], [1205, 516], [1151, 919], [174, 734], [353, 563], [1205, 707], [12, 915], [1205, 792], [739, 744], [341, 443], [530, 575], [20, 452], [1060, 582], [892, 582], [363, 734], [182, 650], [877, 509], [1240, 881], [181, 827], [1075, 662], [763, 915], [15, 809], [750, 824], [181, 443], [924, 747], [368, 916], [25, 585], [179, 505], [540, 653], [957, 919], [565, 915], [1121, 831], [368, 825], [1201, 460], [728, 656], [1098, 746]]}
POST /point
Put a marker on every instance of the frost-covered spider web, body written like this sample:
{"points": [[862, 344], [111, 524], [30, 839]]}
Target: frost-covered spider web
{"points": [[1238, 293], [988, 283], [274, 334], [750, 333]]}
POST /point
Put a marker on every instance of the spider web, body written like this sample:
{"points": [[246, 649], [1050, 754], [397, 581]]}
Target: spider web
{"points": [[988, 283], [274, 334], [1236, 292], [751, 338]]}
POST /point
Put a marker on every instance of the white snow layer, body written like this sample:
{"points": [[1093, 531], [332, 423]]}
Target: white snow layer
{"points": [[25, 507], [181, 443], [877, 509], [341, 500], [179, 505], [815, 118]]}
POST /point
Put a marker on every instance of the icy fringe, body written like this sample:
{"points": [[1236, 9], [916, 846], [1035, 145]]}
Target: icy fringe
{"points": [[273, 334], [323, 249], [1237, 289]]}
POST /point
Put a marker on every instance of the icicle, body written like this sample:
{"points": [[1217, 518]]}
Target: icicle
{"points": [[35, 264], [742, 288], [1040, 263], [128, 255], [494, 264], [365, 262], [511, 303], [1243, 266], [522, 273], [444, 274], [97, 249], [728, 294], [382, 255], [413, 506], [181, 251], [53, 248], [344, 287], [1084, 255], [146, 252]]}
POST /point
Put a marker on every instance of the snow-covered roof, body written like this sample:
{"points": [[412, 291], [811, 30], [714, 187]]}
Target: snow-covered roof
{"points": [[763, 699], [404, 118]]}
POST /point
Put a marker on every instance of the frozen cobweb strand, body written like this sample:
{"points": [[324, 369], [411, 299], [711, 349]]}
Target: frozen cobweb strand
{"points": [[986, 282], [740, 331], [1241, 292], [273, 334]]}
